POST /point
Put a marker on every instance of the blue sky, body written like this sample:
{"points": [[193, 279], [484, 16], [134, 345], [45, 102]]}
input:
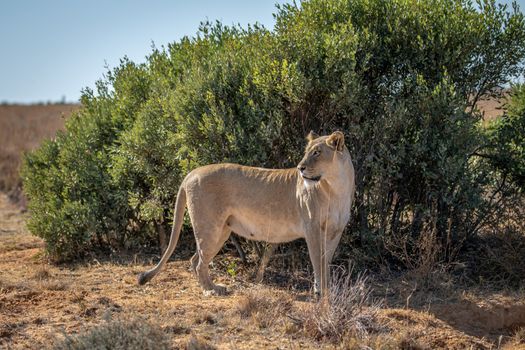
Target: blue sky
{"points": [[52, 49]]}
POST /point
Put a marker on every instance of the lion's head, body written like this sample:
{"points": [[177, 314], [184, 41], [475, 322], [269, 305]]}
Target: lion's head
{"points": [[323, 157]]}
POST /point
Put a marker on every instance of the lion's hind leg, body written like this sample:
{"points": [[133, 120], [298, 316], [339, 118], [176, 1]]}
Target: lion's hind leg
{"points": [[207, 247], [268, 252]]}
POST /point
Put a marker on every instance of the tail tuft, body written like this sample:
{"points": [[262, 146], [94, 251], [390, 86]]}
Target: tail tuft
{"points": [[143, 278]]}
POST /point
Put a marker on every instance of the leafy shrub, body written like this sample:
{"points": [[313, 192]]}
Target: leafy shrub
{"points": [[400, 78], [146, 170], [495, 255], [507, 135], [73, 198]]}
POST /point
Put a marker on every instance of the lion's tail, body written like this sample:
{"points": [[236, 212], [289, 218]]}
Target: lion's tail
{"points": [[178, 217]]}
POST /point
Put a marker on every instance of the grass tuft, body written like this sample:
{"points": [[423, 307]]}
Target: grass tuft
{"points": [[198, 343], [265, 307], [126, 334], [347, 310]]}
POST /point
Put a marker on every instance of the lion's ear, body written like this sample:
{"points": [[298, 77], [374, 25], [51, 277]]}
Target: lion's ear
{"points": [[336, 141], [312, 136]]}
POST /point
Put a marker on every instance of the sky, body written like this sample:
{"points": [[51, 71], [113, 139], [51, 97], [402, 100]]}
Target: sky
{"points": [[51, 50]]}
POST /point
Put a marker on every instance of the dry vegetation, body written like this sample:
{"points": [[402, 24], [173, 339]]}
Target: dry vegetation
{"points": [[79, 306], [69, 306]]}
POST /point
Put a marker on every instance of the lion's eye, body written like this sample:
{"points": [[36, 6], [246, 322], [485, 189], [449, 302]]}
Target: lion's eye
{"points": [[316, 153]]}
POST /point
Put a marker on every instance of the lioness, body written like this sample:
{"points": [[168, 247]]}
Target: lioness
{"points": [[311, 201]]}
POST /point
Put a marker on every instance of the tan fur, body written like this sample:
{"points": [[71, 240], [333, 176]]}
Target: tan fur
{"points": [[272, 205]]}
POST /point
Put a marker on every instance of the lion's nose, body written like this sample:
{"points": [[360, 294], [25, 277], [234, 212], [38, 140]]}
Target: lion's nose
{"points": [[301, 167]]}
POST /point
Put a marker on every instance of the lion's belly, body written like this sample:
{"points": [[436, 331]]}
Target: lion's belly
{"points": [[259, 228]]}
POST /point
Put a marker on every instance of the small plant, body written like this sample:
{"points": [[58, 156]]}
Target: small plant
{"points": [[232, 269], [42, 273]]}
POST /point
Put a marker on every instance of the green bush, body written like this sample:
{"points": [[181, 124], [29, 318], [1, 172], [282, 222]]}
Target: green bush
{"points": [[495, 256], [400, 78], [73, 198], [507, 135]]}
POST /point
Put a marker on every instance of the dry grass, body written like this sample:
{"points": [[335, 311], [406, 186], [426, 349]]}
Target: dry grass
{"points": [[22, 128], [347, 311], [198, 343], [517, 341], [39, 302], [121, 334], [266, 308], [496, 257]]}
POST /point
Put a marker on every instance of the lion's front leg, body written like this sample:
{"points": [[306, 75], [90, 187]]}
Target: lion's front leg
{"points": [[317, 252], [331, 246], [321, 248]]}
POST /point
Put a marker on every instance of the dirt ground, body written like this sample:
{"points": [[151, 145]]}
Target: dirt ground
{"points": [[39, 303]]}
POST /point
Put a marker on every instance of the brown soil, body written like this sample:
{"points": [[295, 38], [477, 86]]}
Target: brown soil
{"points": [[40, 302]]}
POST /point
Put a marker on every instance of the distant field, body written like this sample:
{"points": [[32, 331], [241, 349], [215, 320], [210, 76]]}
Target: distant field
{"points": [[22, 128], [491, 108]]}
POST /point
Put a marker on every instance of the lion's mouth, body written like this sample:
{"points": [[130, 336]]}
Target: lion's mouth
{"points": [[314, 178]]}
